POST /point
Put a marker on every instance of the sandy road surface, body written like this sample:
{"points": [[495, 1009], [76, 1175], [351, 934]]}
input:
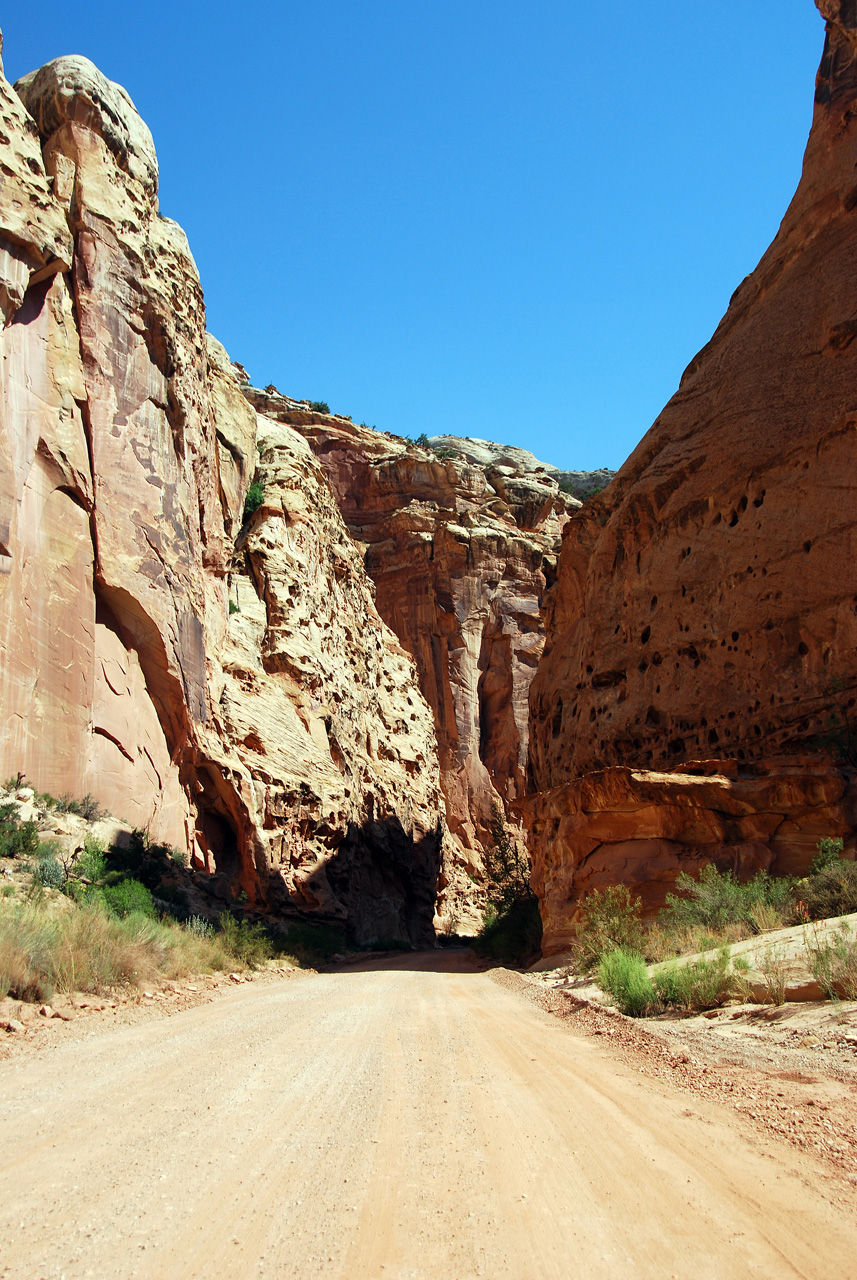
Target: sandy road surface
{"points": [[383, 1124]]}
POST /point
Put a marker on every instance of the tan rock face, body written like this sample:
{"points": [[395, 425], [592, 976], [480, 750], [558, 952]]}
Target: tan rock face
{"points": [[705, 603], [286, 745], [459, 554]]}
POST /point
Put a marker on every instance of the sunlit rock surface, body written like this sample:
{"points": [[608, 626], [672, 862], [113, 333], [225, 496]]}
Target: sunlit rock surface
{"points": [[286, 745], [705, 605], [460, 552]]}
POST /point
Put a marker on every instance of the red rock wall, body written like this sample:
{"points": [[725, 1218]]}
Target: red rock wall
{"points": [[706, 602], [286, 747], [459, 555]]}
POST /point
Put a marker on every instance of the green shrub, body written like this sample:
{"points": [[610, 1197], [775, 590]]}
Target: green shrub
{"points": [[86, 807], [702, 984], [255, 498], [831, 887], [444, 454], [127, 897], [234, 607], [319, 406], [17, 838], [717, 899], [507, 867], [610, 919], [623, 973], [423, 440], [249, 943], [92, 863], [829, 852]]}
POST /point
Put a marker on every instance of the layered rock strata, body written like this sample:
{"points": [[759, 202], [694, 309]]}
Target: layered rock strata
{"points": [[460, 552], [705, 603], [286, 746]]}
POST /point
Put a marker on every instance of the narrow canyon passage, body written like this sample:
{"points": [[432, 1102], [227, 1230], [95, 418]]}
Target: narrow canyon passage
{"points": [[409, 1119]]}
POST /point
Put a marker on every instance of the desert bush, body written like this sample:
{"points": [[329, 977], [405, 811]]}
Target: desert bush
{"points": [[127, 896], [91, 863], [610, 920], [88, 949], [254, 499], [774, 967], [86, 807], [622, 972], [319, 406], [829, 850], [49, 870], [704, 983], [249, 943], [507, 867], [831, 887], [717, 900], [17, 839], [833, 961]]}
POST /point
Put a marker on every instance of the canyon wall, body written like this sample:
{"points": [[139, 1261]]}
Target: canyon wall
{"points": [[460, 547], [705, 608], [284, 744]]}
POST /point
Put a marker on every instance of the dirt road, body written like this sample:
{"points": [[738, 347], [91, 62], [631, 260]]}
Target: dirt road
{"points": [[383, 1124]]}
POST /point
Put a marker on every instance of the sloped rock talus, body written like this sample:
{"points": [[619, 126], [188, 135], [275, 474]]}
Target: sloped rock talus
{"points": [[459, 553], [705, 603], [126, 452]]}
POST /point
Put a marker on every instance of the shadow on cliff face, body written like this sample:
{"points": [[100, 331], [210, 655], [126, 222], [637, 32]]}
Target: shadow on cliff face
{"points": [[387, 881]]}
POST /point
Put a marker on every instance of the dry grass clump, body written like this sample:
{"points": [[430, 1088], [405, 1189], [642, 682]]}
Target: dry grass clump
{"points": [[833, 961], [87, 949]]}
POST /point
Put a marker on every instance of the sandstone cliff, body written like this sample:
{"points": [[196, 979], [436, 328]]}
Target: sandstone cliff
{"points": [[705, 603], [286, 745], [459, 551]]}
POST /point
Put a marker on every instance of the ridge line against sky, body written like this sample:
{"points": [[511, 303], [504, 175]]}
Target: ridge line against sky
{"points": [[464, 218]]}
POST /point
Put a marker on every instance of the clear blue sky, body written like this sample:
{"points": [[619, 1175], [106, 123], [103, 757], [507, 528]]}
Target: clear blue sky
{"points": [[510, 220]]}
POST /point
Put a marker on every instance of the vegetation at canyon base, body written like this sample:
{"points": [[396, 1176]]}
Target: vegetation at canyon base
{"points": [[706, 915], [96, 918], [512, 927]]}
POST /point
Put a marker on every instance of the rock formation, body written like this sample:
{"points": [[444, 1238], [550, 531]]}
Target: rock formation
{"points": [[459, 551], [286, 745], [579, 484], [705, 606]]}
